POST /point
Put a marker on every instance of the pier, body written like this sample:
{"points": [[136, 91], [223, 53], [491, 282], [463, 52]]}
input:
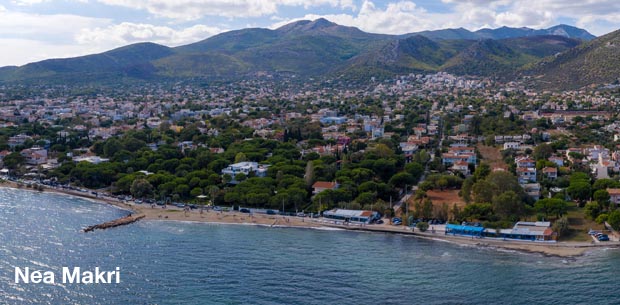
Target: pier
{"points": [[114, 223]]}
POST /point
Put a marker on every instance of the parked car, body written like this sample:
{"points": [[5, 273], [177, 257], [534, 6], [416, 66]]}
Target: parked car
{"points": [[301, 214], [603, 237], [379, 221], [244, 210], [271, 212]]}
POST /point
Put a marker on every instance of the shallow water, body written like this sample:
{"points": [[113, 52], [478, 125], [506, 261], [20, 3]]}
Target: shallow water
{"points": [[192, 263]]}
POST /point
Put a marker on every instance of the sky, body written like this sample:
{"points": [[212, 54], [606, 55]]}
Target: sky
{"points": [[33, 30]]}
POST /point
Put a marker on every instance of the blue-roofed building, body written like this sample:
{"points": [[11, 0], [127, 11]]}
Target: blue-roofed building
{"points": [[464, 230]]}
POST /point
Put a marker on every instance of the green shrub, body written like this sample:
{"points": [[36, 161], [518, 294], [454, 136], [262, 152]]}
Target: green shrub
{"points": [[422, 226]]}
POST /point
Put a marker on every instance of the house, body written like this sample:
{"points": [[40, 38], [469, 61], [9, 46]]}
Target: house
{"points": [[550, 172], [459, 153], [320, 186], [461, 166], [559, 161], [614, 196], [18, 140], [525, 162], [512, 145], [526, 174], [245, 168], [34, 155], [532, 190]]}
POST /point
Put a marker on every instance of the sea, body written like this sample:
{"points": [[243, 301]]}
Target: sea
{"points": [[167, 262]]}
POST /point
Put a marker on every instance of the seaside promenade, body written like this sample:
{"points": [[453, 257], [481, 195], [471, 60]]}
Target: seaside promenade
{"points": [[436, 232]]}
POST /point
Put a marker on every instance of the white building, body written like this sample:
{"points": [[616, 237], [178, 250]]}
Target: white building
{"points": [[246, 168]]}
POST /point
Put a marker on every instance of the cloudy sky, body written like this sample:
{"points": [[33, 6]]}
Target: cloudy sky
{"points": [[32, 30]]}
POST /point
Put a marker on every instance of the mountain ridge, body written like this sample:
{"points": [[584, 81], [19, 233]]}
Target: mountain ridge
{"points": [[312, 49]]}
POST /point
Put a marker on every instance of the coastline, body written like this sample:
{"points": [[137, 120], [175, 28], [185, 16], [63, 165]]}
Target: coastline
{"points": [[146, 212]]}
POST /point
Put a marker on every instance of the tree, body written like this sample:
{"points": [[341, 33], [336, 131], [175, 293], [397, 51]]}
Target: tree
{"points": [[427, 209], [483, 191], [542, 151], [614, 220], [602, 184], [441, 183], [441, 212], [482, 171], [477, 211], [13, 160], [560, 226], [508, 205], [141, 188], [592, 209], [240, 157], [579, 190], [602, 218], [309, 174], [402, 179], [602, 197], [415, 169], [465, 192], [111, 147], [551, 206], [422, 226], [195, 192], [455, 212]]}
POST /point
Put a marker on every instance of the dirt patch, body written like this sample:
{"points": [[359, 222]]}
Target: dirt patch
{"points": [[448, 196], [492, 156]]}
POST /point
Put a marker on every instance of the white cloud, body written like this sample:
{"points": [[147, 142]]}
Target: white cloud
{"points": [[126, 33], [195, 9], [23, 51], [406, 16], [396, 18], [27, 2], [61, 26]]}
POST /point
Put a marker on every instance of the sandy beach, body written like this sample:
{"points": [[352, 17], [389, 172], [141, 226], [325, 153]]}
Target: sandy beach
{"points": [[171, 213]]}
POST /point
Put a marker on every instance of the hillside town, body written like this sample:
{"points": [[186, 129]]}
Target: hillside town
{"points": [[418, 149]]}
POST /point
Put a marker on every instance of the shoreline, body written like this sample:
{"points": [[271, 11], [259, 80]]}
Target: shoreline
{"points": [[146, 212]]}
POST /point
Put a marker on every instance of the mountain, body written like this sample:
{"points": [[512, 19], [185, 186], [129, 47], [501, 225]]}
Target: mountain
{"points": [[486, 57], [318, 48], [132, 60], [595, 62], [507, 32]]}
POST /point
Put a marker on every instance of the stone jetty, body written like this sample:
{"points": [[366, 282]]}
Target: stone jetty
{"points": [[115, 223]]}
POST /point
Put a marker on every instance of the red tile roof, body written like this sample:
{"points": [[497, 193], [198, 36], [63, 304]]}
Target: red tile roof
{"points": [[324, 184]]}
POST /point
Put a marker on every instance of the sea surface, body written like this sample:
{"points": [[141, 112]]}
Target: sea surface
{"points": [[193, 263]]}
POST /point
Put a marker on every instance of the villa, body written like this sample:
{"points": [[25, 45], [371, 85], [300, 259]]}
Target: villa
{"points": [[245, 168]]}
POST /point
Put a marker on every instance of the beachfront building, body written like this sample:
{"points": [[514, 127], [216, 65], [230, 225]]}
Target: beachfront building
{"points": [[532, 231], [464, 230], [352, 216], [522, 230], [245, 168]]}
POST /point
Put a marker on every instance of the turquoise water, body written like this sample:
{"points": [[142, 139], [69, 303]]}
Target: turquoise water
{"points": [[188, 263]]}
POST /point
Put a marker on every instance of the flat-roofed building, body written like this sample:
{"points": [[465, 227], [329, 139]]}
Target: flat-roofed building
{"points": [[352, 216]]}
